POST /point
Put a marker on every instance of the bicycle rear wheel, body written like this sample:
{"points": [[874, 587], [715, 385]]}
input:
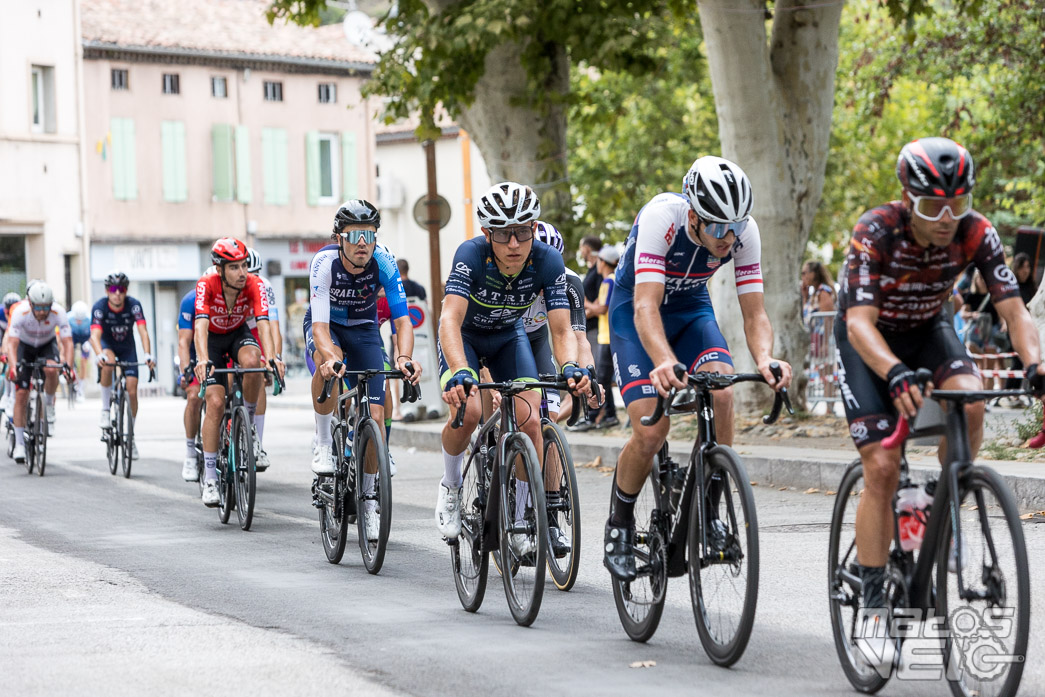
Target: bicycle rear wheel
{"points": [[843, 583], [523, 531], [226, 474], [986, 643], [369, 448], [332, 515], [126, 433], [468, 556], [243, 468], [40, 438], [640, 603], [564, 506], [724, 586]]}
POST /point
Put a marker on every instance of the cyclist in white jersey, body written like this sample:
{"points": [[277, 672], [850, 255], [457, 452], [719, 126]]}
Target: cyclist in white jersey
{"points": [[254, 267]]}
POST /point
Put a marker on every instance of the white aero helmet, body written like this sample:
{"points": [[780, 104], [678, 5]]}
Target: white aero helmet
{"points": [[718, 190], [547, 234], [253, 261], [79, 309], [507, 204], [40, 294]]}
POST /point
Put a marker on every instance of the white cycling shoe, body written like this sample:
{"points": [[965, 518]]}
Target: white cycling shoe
{"points": [[103, 419], [188, 470], [19, 453], [210, 493], [323, 461], [448, 512], [522, 545], [373, 522], [874, 647]]}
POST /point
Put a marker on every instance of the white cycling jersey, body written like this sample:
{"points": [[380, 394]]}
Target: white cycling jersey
{"points": [[26, 328]]}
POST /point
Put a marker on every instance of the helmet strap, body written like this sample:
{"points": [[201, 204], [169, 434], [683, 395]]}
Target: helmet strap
{"points": [[344, 254]]}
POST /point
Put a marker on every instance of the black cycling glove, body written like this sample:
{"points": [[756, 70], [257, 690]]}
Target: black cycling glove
{"points": [[1033, 381], [901, 380]]}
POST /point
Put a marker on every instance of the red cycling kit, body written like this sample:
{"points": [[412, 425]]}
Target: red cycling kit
{"points": [[909, 284], [228, 326]]}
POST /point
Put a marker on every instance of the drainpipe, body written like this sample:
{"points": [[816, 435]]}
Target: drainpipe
{"points": [[81, 149]]}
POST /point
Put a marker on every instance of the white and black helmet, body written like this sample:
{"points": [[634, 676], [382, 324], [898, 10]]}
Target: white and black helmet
{"points": [[40, 294], [718, 190], [253, 261], [507, 204], [547, 234]]}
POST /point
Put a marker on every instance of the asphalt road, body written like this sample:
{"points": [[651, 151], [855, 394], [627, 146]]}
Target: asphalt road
{"points": [[113, 586]]}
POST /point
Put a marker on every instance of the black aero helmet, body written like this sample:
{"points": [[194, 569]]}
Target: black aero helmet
{"points": [[117, 278], [936, 167], [356, 212]]}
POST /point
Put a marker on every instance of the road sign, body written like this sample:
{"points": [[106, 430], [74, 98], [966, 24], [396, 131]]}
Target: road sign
{"points": [[421, 212]]}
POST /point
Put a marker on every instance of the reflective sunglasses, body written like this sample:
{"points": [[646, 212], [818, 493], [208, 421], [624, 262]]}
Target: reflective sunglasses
{"points": [[932, 207], [353, 236], [522, 233], [721, 230], [117, 289], [41, 308]]}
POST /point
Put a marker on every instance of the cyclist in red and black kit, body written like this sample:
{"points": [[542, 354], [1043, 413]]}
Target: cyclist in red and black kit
{"points": [[903, 260], [224, 302]]}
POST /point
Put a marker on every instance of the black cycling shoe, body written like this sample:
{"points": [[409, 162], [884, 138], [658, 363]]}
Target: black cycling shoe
{"points": [[560, 542], [718, 536], [619, 552]]}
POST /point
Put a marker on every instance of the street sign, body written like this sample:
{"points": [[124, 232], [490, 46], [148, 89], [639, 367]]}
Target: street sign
{"points": [[421, 212]]}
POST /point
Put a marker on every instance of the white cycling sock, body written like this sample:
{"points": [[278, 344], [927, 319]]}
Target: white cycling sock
{"points": [[210, 462], [323, 422], [368, 483], [20, 435], [252, 409], [106, 396], [259, 426], [522, 497], [49, 399], [452, 470], [190, 448]]}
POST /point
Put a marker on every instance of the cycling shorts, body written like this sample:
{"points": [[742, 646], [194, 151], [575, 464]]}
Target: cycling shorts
{"points": [[29, 353], [868, 407], [223, 349], [693, 335], [540, 345], [126, 353], [506, 353], [361, 349]]}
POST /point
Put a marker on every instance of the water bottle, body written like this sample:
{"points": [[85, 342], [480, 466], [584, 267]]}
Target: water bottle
{"points": [[912, 511], [348, 445]]}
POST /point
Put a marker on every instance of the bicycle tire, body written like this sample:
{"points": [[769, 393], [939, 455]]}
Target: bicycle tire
{"points": [[40, 440], [468, 556], [641, 619], [839, 593], [523, 606], [564, 572], [333, 521], [725, 649], [244, 470], [126, 433], [976, 479], [368, 438], [29, 434], [112, 451], [226, 492], [10, 440], [200, 466]]}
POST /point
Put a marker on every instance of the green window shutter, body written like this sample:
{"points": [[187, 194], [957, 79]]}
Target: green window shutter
{"points": [[221, 142], [175, 183], [281, 172], [312, 168], [349, 166], [129, 159], [243, 171], [124, 182], [268, 178]]}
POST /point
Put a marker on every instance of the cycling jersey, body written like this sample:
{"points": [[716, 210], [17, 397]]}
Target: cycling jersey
{"points": [[28, 330], [252, 300], [536, 317], [660, 250], [340, 297], [81, 327], [496, 302], [116, 324], [908, 283], [187, 310]]}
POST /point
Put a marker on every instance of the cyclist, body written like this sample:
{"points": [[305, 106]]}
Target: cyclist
{"points": [[903, 260], [10, 300], [112, 319], [35, 330], [341, 324], [189, 383], [254, 267], [80, 322], [224, 301], [661, 314], [494, 280]]}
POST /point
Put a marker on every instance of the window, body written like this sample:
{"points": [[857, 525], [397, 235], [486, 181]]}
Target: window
{"points": [[219, 87], [327, 93], [328, 169], [171, 83], [42, 118], [273, 91], [274, 165], [119, 79]]}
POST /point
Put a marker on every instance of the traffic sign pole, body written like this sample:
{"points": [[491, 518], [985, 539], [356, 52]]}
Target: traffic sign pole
{"points": [[435, 265]]}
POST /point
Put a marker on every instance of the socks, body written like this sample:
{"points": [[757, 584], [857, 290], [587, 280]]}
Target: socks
{"points": [[20, 435], [388, 429], [106, 397], [252, 409], [210, 461], [522, 497], [874, 586], [323, 422], [190, 448], [259, 426], [452, 470], [49, 399], [623, 507], [368, 483]]}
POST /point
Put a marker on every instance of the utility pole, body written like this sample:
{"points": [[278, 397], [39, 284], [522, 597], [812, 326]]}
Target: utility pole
{"points": [[435, 265]]}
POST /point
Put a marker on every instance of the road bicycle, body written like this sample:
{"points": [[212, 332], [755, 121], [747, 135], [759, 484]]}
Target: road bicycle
{"points": [[119, 435], [359, 450], [973, 538], [36, 431], [698, 519]]}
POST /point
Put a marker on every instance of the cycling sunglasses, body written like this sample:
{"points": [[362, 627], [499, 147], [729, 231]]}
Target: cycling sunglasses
{"points": [[931, 208], [721, 230], [353, 236], [41, 308], [117, 289], [522, 233]]}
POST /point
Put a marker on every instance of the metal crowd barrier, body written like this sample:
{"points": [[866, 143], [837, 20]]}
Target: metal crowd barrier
{"points": [[821, 368]]}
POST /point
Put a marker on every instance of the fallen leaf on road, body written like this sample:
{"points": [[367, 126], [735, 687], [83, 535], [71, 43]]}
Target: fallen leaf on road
{"points": [[1027, 516], [830, 492], [754, 483], [783, 488], [643, 664], [812, 490]]}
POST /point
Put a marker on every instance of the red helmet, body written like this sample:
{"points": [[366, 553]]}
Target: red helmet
{"points": [[227, 249]]}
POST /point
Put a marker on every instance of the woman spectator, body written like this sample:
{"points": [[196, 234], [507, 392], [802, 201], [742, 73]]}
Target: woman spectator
{"points": [[818, 295], [985, 333]]}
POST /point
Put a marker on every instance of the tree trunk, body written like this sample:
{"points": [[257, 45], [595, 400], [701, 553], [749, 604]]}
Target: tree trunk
{"points": [[774, 103]]}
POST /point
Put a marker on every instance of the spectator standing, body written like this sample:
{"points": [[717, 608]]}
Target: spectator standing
{"points": [[1024, 271], [985, 334], [818, 292], [606, 264], [818, 295], [412, 288], [589, 249]]}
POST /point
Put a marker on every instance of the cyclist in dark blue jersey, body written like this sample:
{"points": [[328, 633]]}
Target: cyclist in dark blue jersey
{"points": [[493, 281], [113, 319]]}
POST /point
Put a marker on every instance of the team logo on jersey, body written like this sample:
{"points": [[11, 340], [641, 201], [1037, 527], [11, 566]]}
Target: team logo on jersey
{"points": [[1005, 275], [858, 430], [633, 371], [669, 236], [461, 267]]}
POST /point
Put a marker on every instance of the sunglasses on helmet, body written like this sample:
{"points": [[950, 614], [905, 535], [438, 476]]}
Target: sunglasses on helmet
{"points": [[522, 233], [117, 289], [931, 208], [721, 230], [353, 236]]}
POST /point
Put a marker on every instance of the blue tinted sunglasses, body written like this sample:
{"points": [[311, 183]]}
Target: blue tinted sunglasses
{"points": [[41, 308], [353, 236], [720, 230]]}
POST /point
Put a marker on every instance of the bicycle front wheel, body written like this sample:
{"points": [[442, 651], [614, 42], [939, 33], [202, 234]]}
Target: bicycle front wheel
{"points": [[373, 498], [468, 555], [988, 623], [29, 434], [564, 507], [523, 530], [333, 514], [126, 433], [723, 578], [243, 466], [40, 437], [226, 474], [112, 450]]}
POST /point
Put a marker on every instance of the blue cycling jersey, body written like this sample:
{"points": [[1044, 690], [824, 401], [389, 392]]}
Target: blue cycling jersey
{"points": [[340, 297], [116, 324], [497, 302], [187, 318]]}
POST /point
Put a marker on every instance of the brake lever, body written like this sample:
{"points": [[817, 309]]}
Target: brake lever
{"points": [[458, 421]]}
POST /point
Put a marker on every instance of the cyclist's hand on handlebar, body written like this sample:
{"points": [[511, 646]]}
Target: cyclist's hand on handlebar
{"points": [[904, 390], [279, 366], [327, 369], [595, 396], [409, 368], [578, 379], [767, 373], [663, 377], [1035, 378], [202, 370], [454, 393]]}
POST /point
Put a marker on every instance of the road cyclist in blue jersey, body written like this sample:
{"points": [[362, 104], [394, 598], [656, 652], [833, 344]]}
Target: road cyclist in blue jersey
{"points": [[341, 324], [493, 281], [113, 321], [661, 315]]}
